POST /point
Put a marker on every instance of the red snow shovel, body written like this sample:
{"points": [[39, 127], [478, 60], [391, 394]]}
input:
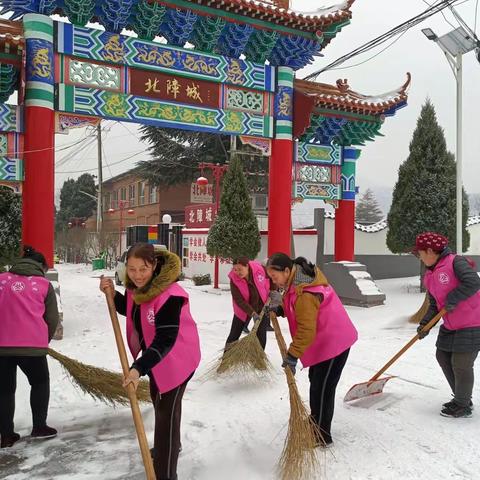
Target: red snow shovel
{"points": [[375, 384]]}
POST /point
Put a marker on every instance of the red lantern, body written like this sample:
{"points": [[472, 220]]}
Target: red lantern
{"points": [[202, 183]]}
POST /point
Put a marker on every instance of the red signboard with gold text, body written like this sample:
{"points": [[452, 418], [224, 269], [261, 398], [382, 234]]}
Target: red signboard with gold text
{"points": [[200, 216], [160, 86]]}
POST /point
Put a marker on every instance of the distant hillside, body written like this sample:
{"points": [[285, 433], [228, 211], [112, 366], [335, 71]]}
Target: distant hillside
{"points": [[384, 198]]}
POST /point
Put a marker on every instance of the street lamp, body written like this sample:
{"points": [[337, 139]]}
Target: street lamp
{"points": [[121, 206], [454, 45], [218, 172]]}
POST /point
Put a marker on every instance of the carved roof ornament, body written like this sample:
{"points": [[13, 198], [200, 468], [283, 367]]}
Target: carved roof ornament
{"points": [[342, 97]]}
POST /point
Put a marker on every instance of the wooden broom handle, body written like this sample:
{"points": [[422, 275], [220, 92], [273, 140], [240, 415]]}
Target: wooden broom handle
{"points": [[132, 396], [426, 328], [278, 333]]}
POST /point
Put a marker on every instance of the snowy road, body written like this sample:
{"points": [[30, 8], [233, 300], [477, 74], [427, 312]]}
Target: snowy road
{"points": [[236, 431]]}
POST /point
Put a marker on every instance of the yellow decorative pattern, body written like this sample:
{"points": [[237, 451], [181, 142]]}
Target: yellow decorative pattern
{"points": [[41, 63], [115, 105], [233, 121], [198, 65], [234, 73], [175, 113], [113, 51], [155, 57], [285, 104]]}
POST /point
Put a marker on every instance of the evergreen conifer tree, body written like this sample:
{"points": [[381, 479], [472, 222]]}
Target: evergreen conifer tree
{"points": [[235, 230], [424, 195], [10, 225], [368, 211]]}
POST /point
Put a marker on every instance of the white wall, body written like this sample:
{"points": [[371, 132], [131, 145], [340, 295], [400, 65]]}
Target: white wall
{"points": [[305, 245]]}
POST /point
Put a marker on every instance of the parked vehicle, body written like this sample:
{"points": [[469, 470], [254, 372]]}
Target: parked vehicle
{"points": [[120, 268]]}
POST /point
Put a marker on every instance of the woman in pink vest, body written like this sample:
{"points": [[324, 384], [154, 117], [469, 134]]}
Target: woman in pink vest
{"points": [[250, 287], [29, 318], [322, 332], [161, 327], [452, 284]]}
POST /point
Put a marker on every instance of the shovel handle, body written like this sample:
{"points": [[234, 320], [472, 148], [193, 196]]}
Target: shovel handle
{"points": [[426, 328], [132, 396]]}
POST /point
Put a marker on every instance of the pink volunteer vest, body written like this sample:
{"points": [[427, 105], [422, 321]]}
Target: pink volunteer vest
{"points": [[262, 282], [335, 331], [22, 302], [184, 357], [440, 282]]}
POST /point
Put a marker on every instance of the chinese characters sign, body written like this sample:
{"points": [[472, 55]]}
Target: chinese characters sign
{"points": [[200, 216], [201, 193], [174, 88]]}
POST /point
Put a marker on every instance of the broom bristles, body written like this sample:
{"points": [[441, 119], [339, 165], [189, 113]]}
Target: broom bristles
{"points": [[244, 358], [417, 317], [299, 459], [99, 383]]}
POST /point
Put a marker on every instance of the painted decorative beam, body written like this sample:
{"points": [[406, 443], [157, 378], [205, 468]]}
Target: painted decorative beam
{"points": [[120, 49], [118, 106]]}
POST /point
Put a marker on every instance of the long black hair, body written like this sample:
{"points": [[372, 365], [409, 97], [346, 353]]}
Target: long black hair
{"points": [[280, 261]]}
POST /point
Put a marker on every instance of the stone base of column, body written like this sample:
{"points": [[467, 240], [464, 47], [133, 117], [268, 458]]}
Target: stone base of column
{"points": [[353, 284]]}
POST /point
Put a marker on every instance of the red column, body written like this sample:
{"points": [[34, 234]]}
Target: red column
{"points": [[280, 196], [345, 231], [38, 215]]}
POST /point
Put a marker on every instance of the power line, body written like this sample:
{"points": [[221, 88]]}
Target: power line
{"points": [[399, 29]]}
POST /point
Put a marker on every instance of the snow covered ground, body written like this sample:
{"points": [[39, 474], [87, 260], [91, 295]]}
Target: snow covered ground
{"points": [[236, 431]]}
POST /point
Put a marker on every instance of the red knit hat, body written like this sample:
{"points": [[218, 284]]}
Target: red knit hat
{"points": [[432, 240]]}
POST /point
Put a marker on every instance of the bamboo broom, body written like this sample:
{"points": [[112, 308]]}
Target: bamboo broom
{"points": [[99, 383], [137, 415], [244, 358], [299, 459]]}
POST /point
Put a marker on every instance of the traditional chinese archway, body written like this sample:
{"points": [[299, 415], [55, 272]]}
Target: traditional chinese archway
{"points": [[238, 80]]}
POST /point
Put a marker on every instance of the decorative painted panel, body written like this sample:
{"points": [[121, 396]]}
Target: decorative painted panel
{"points": [[64, 122], [246, 100], [322, 154], [10, 118], [318, 191], [314, 174], [101, 103], [263, 145], [160, 86], [119, 49], [38, 31], [94, 75], [11, 169]]}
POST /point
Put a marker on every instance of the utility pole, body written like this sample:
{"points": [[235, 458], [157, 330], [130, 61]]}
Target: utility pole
{"points": [[100, 178]]}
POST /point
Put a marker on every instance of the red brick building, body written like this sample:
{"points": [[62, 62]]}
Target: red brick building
{"points": [[141, 204]]}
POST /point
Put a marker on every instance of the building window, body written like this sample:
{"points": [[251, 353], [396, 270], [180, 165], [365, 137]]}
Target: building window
{"points": [[106, 202], [131, 195], [123, 193], [114, 199], [141, 193], [153, 194]]}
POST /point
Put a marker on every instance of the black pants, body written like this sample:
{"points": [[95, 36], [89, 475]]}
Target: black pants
{"points": [[324, 378], [168, 415], [237, 327], [458, 370], [36, 370]]}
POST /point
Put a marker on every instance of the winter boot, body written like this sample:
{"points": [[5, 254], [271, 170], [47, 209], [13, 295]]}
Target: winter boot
{"points": [[42, 433], [9, 440], [456, 411], [452, 402]]}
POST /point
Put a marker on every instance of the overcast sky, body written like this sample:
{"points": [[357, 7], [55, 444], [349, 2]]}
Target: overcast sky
{"points": [[378, 165]]}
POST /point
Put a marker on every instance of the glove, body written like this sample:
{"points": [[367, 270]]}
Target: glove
{"points": [[421, 334], [449, 307], [276, 299], [291, 362]]}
